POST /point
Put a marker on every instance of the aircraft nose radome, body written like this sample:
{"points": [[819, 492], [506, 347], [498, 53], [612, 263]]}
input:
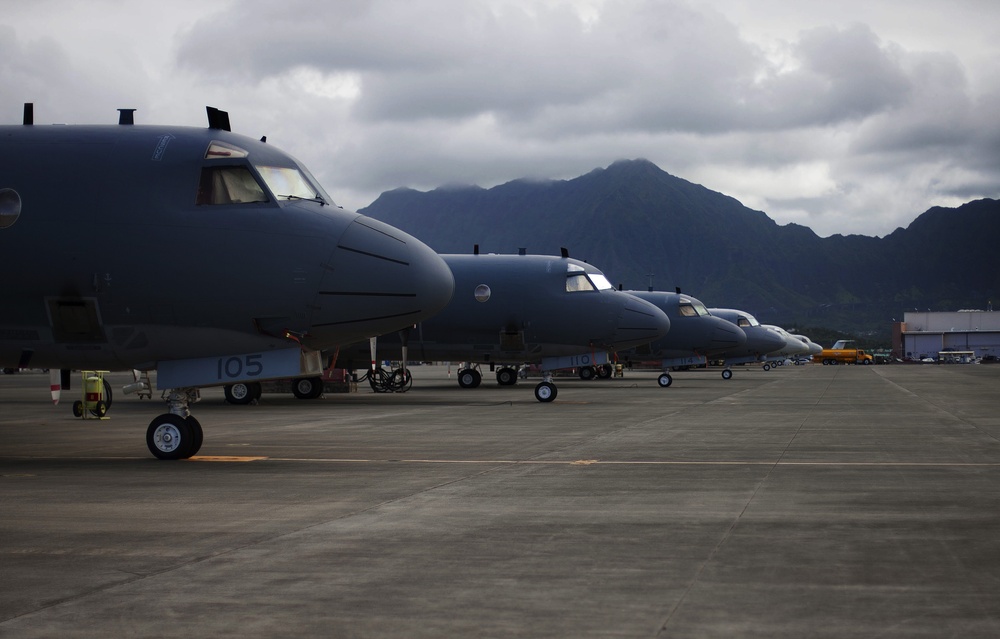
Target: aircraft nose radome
{"points": [[727, 335], [378, 280], [767, 342], [639, 322]]}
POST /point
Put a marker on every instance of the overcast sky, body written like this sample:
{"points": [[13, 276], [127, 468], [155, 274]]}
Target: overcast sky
{"points": [[851, 116]]}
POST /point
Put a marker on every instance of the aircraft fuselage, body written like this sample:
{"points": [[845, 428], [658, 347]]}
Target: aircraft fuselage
{"points": [[137, 244]]}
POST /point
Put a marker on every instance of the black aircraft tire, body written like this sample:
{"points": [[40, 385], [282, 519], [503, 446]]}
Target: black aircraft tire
{"points": [[240, 394], [506, 376], [727, 374], [605, 371], [197, 435], [307, 387], [546, 392], [469, 378], [170, 437], [587, 372], [665, 380], [767, 367]]}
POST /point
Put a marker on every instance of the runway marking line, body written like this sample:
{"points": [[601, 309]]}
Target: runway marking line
{"points": [[224, 458], [598, 462]]}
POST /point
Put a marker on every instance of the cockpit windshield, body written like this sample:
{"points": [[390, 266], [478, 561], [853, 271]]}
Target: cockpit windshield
{"points": [[578, 279], [234, 183], [289, 183], [691, 308], [600, 281], [747, 320]]}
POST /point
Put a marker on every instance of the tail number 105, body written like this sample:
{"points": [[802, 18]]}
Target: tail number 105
{"points": [[239, 366]]}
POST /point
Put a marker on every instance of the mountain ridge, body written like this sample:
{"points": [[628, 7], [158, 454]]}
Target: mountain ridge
{"points": [[633, 220]]}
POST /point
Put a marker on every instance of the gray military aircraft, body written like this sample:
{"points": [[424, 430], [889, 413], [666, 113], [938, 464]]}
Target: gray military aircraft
{"points": [[760, 340], [793, 346], [209, 256], [695, 335], [508, 310], [814, 348]]}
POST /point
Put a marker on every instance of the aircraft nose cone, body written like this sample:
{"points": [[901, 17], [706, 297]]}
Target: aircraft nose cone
{"points": [[726, 335], [766, 342], [639, 322], [378, 280]]}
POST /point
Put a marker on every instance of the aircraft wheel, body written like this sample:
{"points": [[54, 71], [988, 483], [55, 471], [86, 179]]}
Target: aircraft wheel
{"points": [[77, 408], [727, 374], [469, 378], [307, 387], [767, 367], [241, 393], [664, 380], [605, 371], [506, 376], [170, 437], [197, 435], [545, 391], [587, 372]]}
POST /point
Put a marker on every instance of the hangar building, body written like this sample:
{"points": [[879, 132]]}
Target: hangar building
{"points": [[926, 334]]}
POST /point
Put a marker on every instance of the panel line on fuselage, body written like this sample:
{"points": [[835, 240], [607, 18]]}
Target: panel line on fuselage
{"points": [[375, 255]]}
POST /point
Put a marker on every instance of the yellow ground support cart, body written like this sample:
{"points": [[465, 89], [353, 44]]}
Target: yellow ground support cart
{"points": [[96, 397]]}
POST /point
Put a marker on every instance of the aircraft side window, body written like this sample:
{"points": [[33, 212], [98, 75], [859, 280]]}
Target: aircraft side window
{"points": [[743, 322], [576, 282], [229, 185], [687, 310]]}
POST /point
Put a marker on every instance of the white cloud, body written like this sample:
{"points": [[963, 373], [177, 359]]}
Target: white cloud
{"points": [[848, 117]]}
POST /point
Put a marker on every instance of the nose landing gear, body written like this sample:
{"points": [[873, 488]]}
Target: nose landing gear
{"points": [[176, 434]]}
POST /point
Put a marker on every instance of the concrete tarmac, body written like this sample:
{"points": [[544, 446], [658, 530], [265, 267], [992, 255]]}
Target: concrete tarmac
{"points": [[808, 501]]}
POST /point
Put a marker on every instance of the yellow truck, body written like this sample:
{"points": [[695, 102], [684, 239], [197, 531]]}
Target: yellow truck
{"points": [[844, 351]]}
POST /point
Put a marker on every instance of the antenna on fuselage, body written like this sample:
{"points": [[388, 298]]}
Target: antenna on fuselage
{"points": [[218, 119], [126, 116], [564, 251], [475, 249], [29, 113]]}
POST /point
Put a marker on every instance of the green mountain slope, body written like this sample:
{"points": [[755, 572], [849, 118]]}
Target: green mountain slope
{"points": [[632, 220]]}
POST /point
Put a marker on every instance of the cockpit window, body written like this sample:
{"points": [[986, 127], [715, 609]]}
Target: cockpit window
{"points": [[748, 320], [229, 185], [691, 308], [600, 282], [576, 282], [289, 183], [577, 279], [220, 150]]}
